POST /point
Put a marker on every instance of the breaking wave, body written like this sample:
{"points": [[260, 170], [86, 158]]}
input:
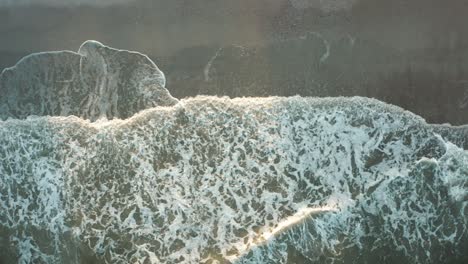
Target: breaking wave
{"points": [[218, 180]]}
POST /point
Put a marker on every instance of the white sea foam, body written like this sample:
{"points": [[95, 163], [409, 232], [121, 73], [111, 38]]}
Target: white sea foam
{"points": [[211, 180]]}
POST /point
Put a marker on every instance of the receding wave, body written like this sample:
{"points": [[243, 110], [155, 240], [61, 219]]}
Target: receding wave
{"points": [[97, 82], [100, 164]]}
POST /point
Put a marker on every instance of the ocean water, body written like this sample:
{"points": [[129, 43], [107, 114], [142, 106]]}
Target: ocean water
{"points": [[217, 180]]}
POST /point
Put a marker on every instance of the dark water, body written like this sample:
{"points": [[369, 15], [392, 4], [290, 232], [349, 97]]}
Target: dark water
{"points": [[409, 53]]}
